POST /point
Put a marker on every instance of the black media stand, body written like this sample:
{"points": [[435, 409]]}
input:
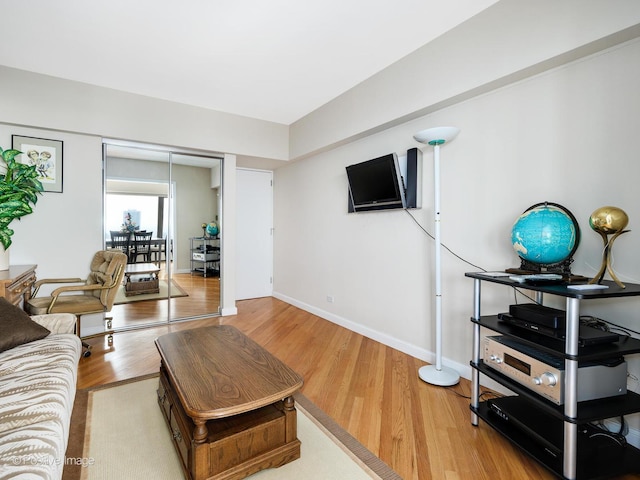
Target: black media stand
{"points": [[563, 443]]}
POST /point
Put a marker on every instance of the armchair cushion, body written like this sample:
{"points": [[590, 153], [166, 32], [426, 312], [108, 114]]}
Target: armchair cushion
{"points": [[17, 327], [104, 268]]}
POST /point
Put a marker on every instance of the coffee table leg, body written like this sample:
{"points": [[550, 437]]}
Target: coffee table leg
{"points": [[201, 432], [289, 403], [291, 422]]}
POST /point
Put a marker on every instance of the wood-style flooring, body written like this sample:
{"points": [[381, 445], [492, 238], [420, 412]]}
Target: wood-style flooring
{"points": [[203, 297], [373, 391]]}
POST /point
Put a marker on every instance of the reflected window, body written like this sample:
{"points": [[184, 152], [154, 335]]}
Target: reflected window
{"points": [[136, 213]]}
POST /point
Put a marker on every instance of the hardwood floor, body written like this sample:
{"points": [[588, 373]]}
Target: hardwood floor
{"points": [[373, 391], [203, 296]]}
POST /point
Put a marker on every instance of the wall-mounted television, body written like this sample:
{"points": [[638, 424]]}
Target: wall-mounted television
{"points": [[382, 183], [376, 184]]}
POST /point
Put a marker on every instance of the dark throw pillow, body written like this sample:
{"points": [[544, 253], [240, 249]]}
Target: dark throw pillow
{"points": [[16, 327]]}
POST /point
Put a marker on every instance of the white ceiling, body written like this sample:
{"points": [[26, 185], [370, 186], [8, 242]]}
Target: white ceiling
{"points": [[275, 60]]}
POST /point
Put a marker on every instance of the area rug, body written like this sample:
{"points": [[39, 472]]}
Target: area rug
{"points": [[118, 432], [176, 291]]}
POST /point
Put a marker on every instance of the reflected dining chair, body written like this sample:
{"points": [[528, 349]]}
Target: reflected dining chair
{"points": [[121, 241], [141, 247], [159, 250]]}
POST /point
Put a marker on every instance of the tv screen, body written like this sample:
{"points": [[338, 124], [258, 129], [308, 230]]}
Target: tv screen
{"points": [[376, 184]]}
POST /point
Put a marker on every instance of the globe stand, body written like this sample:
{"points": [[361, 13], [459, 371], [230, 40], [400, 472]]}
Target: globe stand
{"points": [[567, 277], [562, 268]]}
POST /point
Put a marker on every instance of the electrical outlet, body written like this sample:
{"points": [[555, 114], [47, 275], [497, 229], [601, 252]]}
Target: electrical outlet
{"points": [[330, 298]]}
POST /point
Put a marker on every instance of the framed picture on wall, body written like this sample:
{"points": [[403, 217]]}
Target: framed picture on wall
{"points": [[46, 155]]}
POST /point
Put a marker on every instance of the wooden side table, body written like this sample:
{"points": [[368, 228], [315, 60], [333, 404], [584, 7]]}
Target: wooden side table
{"points": [[16, 283]]}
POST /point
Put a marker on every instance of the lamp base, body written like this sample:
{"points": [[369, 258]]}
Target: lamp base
{"points": [[445, 377]]}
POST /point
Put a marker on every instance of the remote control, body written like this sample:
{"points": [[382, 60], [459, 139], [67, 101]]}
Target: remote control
{"points": [[587, 286]]}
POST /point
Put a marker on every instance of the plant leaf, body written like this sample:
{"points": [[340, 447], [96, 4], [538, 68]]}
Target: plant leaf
{"points": [[5, 237], [19, 190], [9, 155]]}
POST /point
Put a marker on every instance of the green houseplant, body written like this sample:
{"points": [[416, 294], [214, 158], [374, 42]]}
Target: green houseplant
{"points": [[19, 190]]}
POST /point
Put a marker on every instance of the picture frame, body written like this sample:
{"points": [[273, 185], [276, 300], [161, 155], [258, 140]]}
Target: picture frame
{"points": [[46, 155]]}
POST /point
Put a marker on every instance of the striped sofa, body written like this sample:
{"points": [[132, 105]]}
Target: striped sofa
{"points": [[37, 391]]}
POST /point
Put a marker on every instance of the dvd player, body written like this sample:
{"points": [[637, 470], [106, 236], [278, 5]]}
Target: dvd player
{"points": [[587, 336], [535, 313]]}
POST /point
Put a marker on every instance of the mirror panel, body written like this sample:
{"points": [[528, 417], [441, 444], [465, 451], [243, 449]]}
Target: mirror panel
{"points": [[170, 195]]}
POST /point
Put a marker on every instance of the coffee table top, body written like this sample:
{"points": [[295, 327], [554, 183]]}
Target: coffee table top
{"points": [[218, 372], [141, 268]]}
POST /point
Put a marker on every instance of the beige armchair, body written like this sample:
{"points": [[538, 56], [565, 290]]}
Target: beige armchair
{"points": [[95, 294]]}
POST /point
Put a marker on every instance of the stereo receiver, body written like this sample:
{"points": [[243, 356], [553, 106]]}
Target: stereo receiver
{"points": [[543, 372]]}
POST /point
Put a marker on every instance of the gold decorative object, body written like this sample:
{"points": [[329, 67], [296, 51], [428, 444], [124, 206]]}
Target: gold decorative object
{"points": [[608, 221]]}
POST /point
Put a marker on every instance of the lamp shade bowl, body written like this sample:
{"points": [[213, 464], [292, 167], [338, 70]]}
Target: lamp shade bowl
{"points": [[436, 135]]}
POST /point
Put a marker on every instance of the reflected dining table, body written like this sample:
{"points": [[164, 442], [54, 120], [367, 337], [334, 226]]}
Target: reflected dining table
{"points": [[158, 246]]}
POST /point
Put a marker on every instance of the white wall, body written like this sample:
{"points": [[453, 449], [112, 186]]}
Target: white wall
{"points": [[65, 229], [567, 136], [228, 237], [53, 103]]}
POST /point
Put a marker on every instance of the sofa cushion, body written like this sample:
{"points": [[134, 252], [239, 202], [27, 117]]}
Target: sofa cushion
{"points": [[33, 452], [37, 391], [38, 381], [17, 327], [56, 323]]}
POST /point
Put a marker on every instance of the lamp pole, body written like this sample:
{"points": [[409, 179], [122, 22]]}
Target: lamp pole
{"points": [[437, 374], [438, 250]]}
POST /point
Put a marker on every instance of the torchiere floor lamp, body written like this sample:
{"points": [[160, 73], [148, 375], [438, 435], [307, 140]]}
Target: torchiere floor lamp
{"points": [[437, 374]]}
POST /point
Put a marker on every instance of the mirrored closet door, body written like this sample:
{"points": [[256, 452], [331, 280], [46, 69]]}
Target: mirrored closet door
{"points": [[162, 208]]}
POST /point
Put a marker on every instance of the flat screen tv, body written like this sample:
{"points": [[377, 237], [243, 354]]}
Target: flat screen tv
{"points": [[376, 184]]}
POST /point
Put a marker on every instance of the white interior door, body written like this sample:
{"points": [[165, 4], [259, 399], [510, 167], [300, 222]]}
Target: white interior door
{"points": [[254, 254]]}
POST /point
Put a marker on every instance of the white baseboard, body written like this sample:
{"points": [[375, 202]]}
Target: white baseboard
{"points": [[385, 339], [228, 311]]}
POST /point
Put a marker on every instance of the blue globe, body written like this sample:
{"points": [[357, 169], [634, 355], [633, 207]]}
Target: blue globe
{"points": [[212, 229], [544, 235]]}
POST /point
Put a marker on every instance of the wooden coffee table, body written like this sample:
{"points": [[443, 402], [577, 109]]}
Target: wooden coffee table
{"points": [[141, 278], [228, 403]]}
